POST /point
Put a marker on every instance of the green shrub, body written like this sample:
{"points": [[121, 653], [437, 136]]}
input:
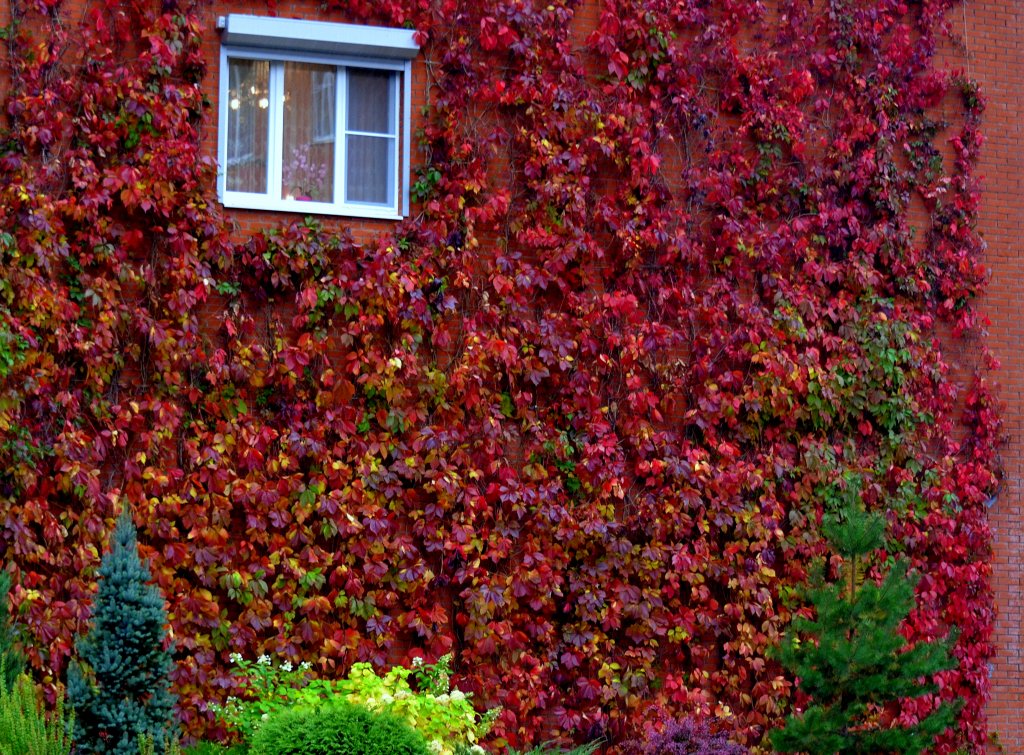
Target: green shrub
{"points": [[337, 729], [148, 747], [120, 690], [852, 660], [268, 689], [421, 695], [25, 728]]}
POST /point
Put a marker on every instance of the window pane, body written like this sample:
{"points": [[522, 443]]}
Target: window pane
{"points": [[371, 169], [370, 103], [323, 105], [248, 108], [307, 169]]}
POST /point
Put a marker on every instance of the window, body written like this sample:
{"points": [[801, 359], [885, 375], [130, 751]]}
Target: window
{"points": [[314, 117]]}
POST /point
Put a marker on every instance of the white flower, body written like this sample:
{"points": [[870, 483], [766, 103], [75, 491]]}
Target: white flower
{"points": [[435, 747], [286, 666], [477, 750], [263, 660], [305, 666], [265, 716], [386, 698], [442, 698], [235, 657], [417, 662], [458, 695]]}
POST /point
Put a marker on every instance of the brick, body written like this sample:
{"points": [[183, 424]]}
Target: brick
{"points": [[989, 51]]}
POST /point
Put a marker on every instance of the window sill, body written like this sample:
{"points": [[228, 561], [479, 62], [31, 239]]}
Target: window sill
{"points": [[299, 207]]}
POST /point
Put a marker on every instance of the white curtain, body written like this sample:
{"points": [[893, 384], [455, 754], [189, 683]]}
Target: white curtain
{"points": [[371, 136], [248, 111]]}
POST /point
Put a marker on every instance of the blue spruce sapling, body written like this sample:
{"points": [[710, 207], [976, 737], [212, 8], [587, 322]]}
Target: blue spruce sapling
{"points": [[119, 685], [12, 662]]}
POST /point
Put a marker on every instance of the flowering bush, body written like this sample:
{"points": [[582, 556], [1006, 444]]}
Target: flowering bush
{"points": [[444, 716], [268, 688]]}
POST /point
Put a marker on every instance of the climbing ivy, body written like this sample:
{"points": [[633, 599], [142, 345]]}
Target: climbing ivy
{"points": [[678, 281]]}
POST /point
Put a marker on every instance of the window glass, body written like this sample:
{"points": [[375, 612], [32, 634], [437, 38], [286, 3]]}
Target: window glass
{"points": [[248, 110], [307, 158], [323, 105], [370, 176], [371, 101]]}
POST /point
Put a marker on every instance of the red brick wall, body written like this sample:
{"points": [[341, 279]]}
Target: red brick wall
{"points": [[992, 33]]}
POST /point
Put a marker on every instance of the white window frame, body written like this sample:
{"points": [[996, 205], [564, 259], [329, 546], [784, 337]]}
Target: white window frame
{"points": [[345, 46]]}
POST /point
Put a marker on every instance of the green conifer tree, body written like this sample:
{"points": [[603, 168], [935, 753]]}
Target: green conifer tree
{"points": [[119, 687], [852, 661], [13, 662]]}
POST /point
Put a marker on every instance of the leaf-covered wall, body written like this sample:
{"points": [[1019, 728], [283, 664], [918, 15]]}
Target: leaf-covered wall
{"points": [[679, 283]]}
